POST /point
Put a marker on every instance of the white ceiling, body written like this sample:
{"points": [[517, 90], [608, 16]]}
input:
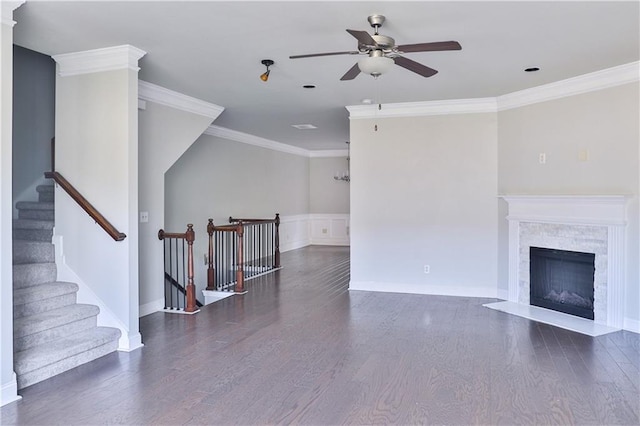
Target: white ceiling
{"points": [[212, 50]]}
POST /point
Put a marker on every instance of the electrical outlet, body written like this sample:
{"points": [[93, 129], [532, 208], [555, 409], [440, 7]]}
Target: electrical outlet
{"points": [[427, 269], [144, 217]]}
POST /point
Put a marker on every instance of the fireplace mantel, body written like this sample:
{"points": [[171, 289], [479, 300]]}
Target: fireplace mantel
{"points": [[569, 209], [567, 220]]}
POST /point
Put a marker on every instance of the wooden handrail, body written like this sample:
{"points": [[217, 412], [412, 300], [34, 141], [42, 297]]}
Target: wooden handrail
{"points": [[189, 236], [86, 205], [251, 221]]}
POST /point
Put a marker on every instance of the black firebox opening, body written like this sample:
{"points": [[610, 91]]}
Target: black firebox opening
{"points": [[562, 280]]}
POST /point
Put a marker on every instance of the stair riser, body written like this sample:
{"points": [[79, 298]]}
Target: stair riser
{"points": [[43, 305], [30, 274], [54, 333], [33, 234], [33, 253], [36, 214], [46, 197], [48, 190], [32, 377]]}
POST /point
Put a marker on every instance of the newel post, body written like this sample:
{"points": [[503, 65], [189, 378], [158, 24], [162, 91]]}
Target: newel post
{"points": [[277, 242], [240, 267], [191, 288], [211, 277]]}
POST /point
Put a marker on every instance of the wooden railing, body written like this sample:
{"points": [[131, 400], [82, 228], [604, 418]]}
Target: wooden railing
{"points": [[86, 205], [244, 249], [178, 271], [78, 198]]}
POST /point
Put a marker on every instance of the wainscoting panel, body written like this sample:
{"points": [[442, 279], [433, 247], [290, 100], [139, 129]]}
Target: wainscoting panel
{"points": [[317, 229], [329, 229]]}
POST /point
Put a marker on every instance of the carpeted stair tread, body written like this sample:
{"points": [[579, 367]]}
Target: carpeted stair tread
{"points": [[43, 291], [35, 205], [43, 361], [32, 252], [42, 298], [45, 188], [43, 321], [33, 224], [29, 274]]}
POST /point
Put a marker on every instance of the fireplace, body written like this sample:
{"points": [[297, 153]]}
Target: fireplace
{"points": [[562, 280], [592, 224]]}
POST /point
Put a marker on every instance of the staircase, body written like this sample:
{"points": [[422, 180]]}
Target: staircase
{"points": [[51, 332]]}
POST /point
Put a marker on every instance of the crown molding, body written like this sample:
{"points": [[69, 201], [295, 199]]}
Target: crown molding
{"points": [[6, 11], [610, 77], [326, 153], [97, 60], [414, 109], [153, 93], [234, 135]]}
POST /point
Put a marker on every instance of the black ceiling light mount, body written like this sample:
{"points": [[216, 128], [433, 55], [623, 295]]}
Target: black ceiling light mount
{"points": [[532, 69], [267, 63]]}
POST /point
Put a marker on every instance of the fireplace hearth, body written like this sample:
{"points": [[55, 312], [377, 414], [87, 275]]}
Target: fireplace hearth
{"points": [[562, 280]]}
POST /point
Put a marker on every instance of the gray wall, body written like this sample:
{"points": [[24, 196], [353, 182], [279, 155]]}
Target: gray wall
{"points": [[327, 195], [216, 178], [34, 79]]}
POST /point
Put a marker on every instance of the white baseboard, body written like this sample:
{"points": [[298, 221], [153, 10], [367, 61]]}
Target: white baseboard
{"points": [[444, 290], [631, 325], [9, 391], [211, 296], [151, 307], [294, 245], [130, 342]]}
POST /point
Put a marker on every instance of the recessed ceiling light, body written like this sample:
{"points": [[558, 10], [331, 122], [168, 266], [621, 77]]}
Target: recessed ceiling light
{"points": [[309, 86], [304, 126], [532, 69], [367, 101]]}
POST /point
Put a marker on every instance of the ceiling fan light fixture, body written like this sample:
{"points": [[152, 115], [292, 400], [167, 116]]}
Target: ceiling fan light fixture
{"points": [[375, 65], [265, 75]]}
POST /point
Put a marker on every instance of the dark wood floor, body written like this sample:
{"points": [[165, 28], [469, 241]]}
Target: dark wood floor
{"points": [[299, 348]]}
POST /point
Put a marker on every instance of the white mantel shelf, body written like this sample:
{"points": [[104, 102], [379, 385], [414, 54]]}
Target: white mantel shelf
{"points": [[569, 209]]}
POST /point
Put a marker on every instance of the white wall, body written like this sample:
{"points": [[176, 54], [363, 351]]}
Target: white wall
{"points": [[216, 178], [423, 191], [8, 384], [327, 195], [97, 152], [165, 134], [604, 125]]}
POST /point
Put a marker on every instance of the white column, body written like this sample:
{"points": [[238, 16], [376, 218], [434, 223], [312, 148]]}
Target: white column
{"points": [[97, 152], [8, 382]]}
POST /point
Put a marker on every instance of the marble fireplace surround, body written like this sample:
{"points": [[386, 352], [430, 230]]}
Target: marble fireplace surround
{"points": [[592, 224]]}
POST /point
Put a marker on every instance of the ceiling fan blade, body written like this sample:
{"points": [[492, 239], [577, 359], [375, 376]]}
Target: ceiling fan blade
{"points": [[414, 66], [352, 73], [363, 37], [430, 47], [311, 55]]}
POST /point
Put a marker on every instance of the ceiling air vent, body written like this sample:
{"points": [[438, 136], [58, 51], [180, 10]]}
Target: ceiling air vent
{"points": [[304, 126]]}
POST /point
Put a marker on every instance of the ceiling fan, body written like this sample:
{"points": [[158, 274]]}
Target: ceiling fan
{"points": [[382, 52]]}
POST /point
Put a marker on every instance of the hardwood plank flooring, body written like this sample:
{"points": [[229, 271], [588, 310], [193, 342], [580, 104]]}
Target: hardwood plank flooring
{"points": [[299, 348]]}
